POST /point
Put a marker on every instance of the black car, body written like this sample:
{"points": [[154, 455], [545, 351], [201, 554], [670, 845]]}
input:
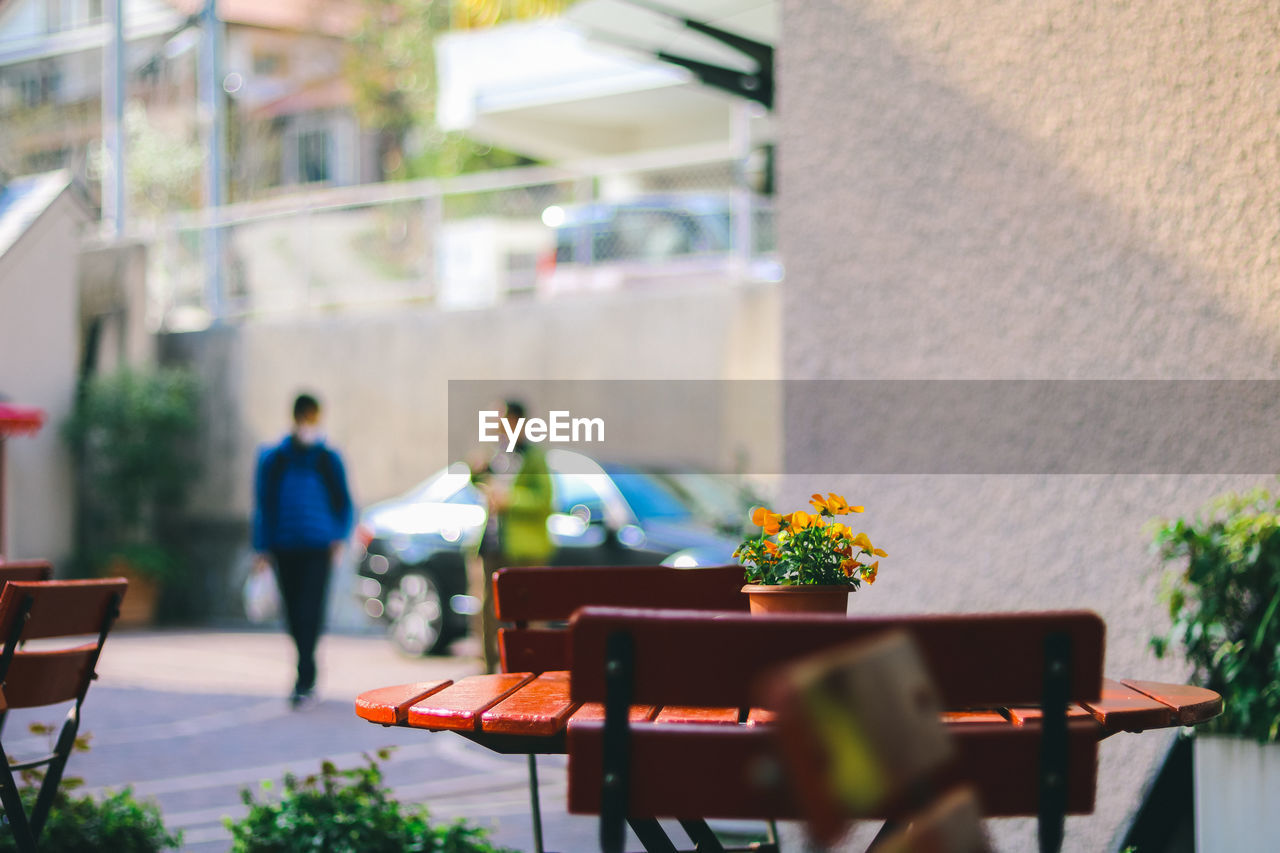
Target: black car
{"points": [[413, 570]]}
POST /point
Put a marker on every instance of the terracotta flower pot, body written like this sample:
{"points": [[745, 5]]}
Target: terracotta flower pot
{"points": [[766, 598]]}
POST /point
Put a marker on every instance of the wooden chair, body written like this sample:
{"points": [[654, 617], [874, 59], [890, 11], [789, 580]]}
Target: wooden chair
{"points": [[22, 570], [1042, 764], [25, 570], [48, 676], [523, 595], [861, 734]]}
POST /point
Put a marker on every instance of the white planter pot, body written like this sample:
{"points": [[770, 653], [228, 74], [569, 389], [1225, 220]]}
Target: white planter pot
{"points": [[1237, 785]]}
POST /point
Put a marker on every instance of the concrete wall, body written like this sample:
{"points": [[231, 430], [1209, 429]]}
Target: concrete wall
{"points": [[1031, 190], [383, 380], [39, 352]]}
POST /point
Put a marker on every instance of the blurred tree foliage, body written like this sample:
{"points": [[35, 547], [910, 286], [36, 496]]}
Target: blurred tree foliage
{"points": [[163, 166], [131, 438], [391, 66]]}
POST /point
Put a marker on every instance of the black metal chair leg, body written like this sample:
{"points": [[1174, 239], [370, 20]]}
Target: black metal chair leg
{"points": [[53, 775], [15, 815], [651, 835], [704, 840]]}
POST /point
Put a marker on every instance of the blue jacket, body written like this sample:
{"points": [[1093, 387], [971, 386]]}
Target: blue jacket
{"points": [[301, 499]]}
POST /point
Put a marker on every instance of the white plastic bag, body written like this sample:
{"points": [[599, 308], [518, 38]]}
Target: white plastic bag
{"points": [[261, 597]]}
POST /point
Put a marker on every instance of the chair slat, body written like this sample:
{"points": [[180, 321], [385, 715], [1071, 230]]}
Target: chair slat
{"points": [[47, 677], [725, 771], [530, 594], [61, 608], [25, 570], [975, 660], [533, 649]]}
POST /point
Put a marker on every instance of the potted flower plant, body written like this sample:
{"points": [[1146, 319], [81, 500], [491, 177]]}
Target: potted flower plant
{"points": [[1223, 600], [805, 561]]}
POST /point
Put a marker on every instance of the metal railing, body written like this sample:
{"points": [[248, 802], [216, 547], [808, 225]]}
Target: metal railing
{"points": [[464, 242]]}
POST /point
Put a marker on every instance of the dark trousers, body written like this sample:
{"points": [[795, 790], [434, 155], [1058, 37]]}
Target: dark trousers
{"points": [[303, 576]]}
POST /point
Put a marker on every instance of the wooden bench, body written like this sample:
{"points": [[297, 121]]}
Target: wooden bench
{"points": [[49, 610], [1025, 696]]}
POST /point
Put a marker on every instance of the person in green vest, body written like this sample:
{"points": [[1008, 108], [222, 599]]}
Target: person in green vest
{"points": [[519, 490]]}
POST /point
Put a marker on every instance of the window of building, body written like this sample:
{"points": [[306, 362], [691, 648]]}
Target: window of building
{"points": [[268, 63], [313, 156]]}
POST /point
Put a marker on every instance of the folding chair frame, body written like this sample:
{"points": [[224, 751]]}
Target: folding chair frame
{"points": [[26, 828]]}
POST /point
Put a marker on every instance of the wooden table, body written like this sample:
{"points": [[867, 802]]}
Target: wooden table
{"points": [[526, 713]]}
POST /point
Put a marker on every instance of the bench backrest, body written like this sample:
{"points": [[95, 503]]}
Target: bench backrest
{"points": [[627, 657], [975, 660], [25, 570], [553, 593]]}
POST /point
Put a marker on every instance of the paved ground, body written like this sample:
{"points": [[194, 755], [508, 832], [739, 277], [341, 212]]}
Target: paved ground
{"points": [[192, 718]]}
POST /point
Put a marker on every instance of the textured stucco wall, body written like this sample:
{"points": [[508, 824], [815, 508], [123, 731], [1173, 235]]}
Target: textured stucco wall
{"points": [[1030, 190]]}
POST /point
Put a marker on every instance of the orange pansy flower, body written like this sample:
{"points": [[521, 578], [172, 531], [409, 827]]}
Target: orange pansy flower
{"points": [[767, 520]]}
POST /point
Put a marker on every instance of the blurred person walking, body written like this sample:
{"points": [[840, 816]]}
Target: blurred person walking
{"points": [[302, 515], [517, 484]]}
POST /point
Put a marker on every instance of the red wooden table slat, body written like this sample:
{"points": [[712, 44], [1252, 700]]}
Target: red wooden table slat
{"points": [[458, 707], [390, 705], [541, 707], [992, 717], [761, 717], [682, 714], [1122, 708], [1190, 705], [593, 712], [1023, 716]]}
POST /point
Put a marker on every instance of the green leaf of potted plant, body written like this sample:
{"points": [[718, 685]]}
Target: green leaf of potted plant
{"points": [[130, 435], [1223, 600], [805, 561]]}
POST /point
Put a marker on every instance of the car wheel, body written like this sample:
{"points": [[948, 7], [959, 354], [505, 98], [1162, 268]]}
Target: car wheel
{"points": [[416, 608]]}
